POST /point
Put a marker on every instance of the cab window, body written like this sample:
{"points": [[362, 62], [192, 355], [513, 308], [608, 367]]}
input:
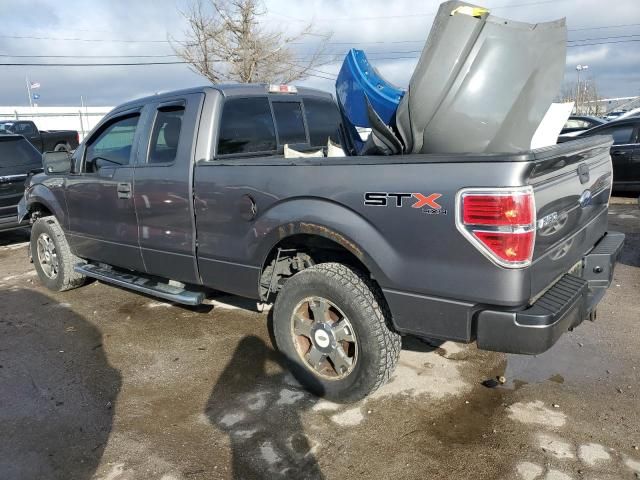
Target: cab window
{"points": [[246, 127], [24, 128], [112, 145], [323, 120], [289, 122], [165, 135]]}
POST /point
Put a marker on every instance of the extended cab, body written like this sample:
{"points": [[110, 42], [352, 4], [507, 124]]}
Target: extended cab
{"points": [[187, 192], [43, 140]]}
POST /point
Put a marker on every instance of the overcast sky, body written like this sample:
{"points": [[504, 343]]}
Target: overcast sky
{"points": [[381, 27]]}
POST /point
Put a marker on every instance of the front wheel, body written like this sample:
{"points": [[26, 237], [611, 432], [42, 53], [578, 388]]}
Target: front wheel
{"points": [[52, 256], [334, 328]]}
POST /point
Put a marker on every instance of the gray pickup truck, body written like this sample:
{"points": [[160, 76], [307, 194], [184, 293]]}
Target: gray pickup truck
{"points": [[43, 140], [184, 193]]}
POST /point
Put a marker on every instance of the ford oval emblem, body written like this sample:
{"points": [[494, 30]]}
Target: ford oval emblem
{"points": [[585, 198]]}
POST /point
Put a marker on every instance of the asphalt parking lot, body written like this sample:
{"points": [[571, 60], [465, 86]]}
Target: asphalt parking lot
{"points": [[102, 383]]}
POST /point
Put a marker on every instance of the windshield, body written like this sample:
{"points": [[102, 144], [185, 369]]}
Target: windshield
{"points": [[17, 151], [6, 127]]}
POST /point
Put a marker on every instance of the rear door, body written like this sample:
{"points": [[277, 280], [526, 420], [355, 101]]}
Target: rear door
{"points": [[163, 189], [102, 218]]}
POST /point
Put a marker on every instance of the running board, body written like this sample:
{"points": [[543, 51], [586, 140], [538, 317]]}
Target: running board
{"points": [[141, 284]]}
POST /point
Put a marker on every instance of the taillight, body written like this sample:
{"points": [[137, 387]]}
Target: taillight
{"points": [[499, 222]]}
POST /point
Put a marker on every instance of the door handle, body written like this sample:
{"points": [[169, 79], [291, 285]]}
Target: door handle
{"points": [[124, 190], [622, 153]]}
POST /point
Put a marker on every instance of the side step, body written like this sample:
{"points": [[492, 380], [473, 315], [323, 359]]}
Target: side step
{"points": [[141, 284]]}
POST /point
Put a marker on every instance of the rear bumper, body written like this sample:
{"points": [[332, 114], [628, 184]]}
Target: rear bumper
{"points": [[565, 305]]}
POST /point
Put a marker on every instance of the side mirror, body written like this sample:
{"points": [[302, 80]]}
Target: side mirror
{"points": [[56, 162]]}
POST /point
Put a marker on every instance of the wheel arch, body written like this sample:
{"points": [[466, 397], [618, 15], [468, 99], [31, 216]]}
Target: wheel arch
{"points": [[40, 201], [321, 244]]}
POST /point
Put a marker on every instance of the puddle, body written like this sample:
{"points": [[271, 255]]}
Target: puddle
{"points": [[567, 362]]}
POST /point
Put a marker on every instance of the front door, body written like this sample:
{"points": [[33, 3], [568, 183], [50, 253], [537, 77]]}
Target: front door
{"points": [[163, 189], [102, 219]]}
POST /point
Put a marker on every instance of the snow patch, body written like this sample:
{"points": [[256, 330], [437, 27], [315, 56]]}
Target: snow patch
{"points": [[557, 475], [536, 412], [348, 418], [424, 373], [158, 305], [244, 434], [633, 464], [269, 454], [593, 453], [529, 471], [257, 401], [231, 419], [555, 446], [324, 406], [289, 397]]}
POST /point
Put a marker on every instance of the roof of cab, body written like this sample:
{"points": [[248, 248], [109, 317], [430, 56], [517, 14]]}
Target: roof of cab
{"points": [[228, 90]]}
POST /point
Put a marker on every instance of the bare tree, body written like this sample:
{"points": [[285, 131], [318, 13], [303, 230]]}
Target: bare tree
{"points": [[584, 95], [226, 41]]}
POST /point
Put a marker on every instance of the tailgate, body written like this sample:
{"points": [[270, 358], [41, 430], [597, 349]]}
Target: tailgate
{"points": [[572, 185]]}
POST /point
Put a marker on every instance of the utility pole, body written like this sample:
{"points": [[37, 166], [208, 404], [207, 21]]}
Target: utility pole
{"points": [[26, 79], [579, 69]]}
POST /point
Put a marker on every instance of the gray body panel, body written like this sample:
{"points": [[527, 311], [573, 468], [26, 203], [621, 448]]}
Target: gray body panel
{"points": [[481, 84], [433, 278]]}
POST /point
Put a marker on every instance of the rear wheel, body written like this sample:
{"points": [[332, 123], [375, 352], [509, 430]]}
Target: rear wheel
{"points": [[52, 256], [333, 326]]}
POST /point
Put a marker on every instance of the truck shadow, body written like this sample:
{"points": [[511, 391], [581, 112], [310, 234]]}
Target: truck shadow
{"points": [[261, 413], [58, 390]]}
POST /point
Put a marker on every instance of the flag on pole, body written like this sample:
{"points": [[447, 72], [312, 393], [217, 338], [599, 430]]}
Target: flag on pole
{"points": [[34, 85]]}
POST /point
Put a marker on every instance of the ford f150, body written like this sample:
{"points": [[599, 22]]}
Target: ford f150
{"points": [[183, 193], [43, 140]]}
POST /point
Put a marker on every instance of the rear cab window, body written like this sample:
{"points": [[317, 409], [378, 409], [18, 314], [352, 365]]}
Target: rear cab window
{"points": [[262, 125], [289, 122], [246, 126], [323, 120]]}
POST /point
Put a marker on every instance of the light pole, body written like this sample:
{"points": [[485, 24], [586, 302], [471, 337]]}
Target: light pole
{"points": [[579, 69]]}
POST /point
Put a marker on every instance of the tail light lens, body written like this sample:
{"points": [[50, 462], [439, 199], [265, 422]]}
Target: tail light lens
{"points": [[499, 222]]}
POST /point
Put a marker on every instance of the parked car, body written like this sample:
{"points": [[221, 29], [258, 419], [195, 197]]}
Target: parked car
{"points": [[18, 159], [186, 192], [614, 115], [579, 123], [634, 112], [43, 140], [625, 152]]}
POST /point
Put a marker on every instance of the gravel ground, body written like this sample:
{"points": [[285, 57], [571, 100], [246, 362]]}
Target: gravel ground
{"points": [[103, 383]]}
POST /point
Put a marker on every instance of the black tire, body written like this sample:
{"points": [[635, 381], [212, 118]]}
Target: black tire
{"points": [[378, 346], [64, 277]]}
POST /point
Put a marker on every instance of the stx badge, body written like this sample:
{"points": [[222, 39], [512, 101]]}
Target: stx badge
{"points": [[427, 203]]}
